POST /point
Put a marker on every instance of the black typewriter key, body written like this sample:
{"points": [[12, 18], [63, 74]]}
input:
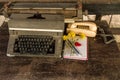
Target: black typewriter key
{"points": [[50, 50], [24, 52], [47, 43], [24, 42], [37, 40], [41, 43], [27, 42], [32, 39], [25, 49], [27, 45], [44, 43], [49, 40], [37, 50], [34, 44], [28, 50], [29, 39], [30, 46], [46, 39], [19, 45], [42, 47], [26, 39], [20, 39], [40, 40], [34, 50], [40, 50], [39, 46], [23, 39], [47, 46], [46, 50], [31, 49], [20, 49], [21, 42]]}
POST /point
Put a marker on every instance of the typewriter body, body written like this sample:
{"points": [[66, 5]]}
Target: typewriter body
{"points": [[35, 37], [39, 36]]}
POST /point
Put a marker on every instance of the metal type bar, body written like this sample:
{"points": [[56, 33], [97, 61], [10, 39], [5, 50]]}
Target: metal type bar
{"points": [[71, 12]]}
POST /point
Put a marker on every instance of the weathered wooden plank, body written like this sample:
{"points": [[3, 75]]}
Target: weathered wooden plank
{"points": [[39, 1]]}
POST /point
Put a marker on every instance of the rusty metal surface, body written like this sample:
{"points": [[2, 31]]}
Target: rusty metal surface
{"points": [[43, 5], [51, 8], [68, 9], [39, 1], [101, 7], [103, 63], [84, 1], [101, 1], [69, 13]]}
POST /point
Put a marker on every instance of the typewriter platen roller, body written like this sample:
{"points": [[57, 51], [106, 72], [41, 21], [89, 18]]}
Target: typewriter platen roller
{"points": [[35, 37]]}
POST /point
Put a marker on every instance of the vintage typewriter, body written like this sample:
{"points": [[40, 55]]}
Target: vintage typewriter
{"points": [[35, 37], [36, 27]]}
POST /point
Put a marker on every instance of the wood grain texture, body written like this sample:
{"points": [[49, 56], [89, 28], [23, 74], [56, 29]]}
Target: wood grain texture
{"points": [[103, 63]]}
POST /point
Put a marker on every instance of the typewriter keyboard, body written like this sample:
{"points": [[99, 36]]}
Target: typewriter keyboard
{"points": [[34, 44]]}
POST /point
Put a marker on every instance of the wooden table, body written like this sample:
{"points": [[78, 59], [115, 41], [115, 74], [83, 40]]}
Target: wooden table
{"points": [[103, 63]]}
